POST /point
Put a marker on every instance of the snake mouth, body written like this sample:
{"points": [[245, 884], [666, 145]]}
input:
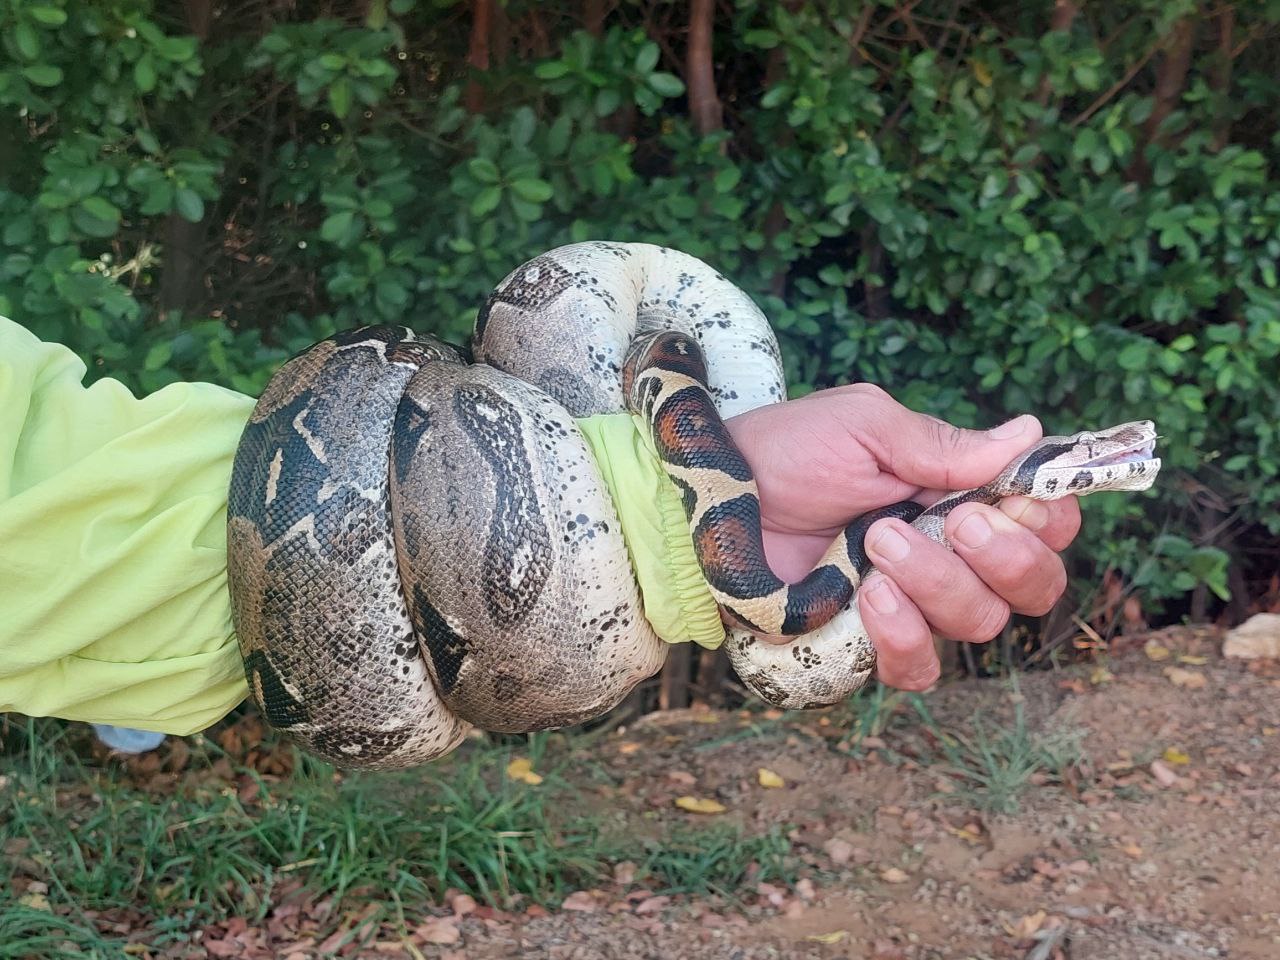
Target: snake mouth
{"points": [[1140, 452]]}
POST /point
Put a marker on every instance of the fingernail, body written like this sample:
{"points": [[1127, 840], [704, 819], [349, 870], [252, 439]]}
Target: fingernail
{"points": [[881, 597], [891, 545], [1014, 428], [1030, 513], [974, 531]]}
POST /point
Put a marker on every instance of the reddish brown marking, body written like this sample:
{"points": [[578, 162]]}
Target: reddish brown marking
{"points": [[727, 546], [689, 433], [821, 610]]}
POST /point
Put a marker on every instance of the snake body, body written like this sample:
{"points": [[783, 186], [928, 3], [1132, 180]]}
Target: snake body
{"points": [[418, 543]]}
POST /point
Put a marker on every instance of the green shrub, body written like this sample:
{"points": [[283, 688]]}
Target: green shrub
{"points": [[1007, 210]]}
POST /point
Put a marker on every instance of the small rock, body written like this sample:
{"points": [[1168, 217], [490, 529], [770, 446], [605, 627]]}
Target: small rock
{"points": [[894, 875], [1256, 639], [1164, 776], [840, 851]]}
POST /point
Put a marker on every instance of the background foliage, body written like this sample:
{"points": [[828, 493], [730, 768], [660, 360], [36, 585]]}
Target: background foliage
{"points": [[984, 207]]}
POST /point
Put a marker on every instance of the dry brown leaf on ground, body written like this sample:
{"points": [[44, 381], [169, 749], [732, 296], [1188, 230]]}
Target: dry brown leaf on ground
{"points": [[1176, 757], [582, 901], [438, 930], [521, 768], [835, 936], [462, 904], [699, 805], [1187, 679], [1027, 926], [1155, 651], [894, 875], [769, 779]]}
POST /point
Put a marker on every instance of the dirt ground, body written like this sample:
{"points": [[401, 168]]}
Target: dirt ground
{"points": [[1164, 842]]}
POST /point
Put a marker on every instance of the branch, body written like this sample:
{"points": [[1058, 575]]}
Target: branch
{"points": [[704, 103], [1064, 15], [1220, 78], [478, 51], [1171, 79], [593, 17], [1114, 88]]}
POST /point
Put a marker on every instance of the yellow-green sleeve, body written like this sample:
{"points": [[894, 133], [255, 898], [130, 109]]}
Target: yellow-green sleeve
{"points": [[113, 590]]}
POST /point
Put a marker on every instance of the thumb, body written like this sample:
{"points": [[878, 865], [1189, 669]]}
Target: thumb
{"points": [[931, 453]]}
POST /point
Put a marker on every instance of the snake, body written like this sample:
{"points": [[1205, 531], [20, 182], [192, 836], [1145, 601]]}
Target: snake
{"points": [[420, 542]]}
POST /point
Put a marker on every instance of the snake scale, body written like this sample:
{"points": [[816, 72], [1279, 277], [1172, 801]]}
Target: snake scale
{"points": [[420, 542]]}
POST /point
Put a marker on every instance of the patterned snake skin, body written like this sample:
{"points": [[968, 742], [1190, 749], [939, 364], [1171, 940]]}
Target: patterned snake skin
{"points": [[418, 544]]}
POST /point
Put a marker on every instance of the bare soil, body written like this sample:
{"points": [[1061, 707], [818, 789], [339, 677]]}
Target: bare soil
{"points": [[1163, 842]]}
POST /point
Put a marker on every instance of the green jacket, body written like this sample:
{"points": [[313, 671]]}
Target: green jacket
{"points": [[113, 578]]}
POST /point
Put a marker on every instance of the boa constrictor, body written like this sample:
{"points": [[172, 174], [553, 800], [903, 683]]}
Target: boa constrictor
{"points": [[418, 544]]}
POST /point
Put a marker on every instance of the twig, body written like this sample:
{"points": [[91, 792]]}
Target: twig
{"points": [[1114, 88], [1052, 940]]}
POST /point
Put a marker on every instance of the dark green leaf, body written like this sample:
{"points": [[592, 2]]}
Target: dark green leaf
{"points": [[189, 205], [49, 16], [666, 84]]}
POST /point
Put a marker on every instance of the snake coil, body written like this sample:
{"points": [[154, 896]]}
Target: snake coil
{"points": [[418, 544]]}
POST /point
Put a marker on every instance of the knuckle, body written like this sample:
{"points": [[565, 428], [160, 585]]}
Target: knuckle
{"points": [[867, 392], [988, 620], [1054, 587]]}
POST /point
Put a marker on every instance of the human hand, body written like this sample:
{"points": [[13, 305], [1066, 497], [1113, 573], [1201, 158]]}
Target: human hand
{"points": [[822, 460]]}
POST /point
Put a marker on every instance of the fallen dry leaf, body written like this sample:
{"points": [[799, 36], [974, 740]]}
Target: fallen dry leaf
{"points": [[769, 779], [462, 904], [968, 833], [35, 901], [835, 936], [1192, 659], [1132, 850], [894, 875], [652, 904], [1101, 675], [521, 768], [628, 747], [582, 901], [624, 873], [699, 805], [1027, 926], [1155, 651], [439, 930], [1188, 679], [1176, 757]]}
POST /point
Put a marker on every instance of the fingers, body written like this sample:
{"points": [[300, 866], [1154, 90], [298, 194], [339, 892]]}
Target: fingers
{"points": [[1055, 523], [949, 594], [905, 655], [1012, 561]]}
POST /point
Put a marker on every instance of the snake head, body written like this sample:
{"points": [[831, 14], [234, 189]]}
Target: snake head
{"points": [[1117, 458]]}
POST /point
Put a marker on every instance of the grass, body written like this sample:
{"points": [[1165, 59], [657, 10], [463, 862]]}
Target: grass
{"points": [[223, 840], [717, 860], [993, 767]]}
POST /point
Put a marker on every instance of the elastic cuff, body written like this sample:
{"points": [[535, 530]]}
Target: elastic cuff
{"points": [[677, 602]]}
